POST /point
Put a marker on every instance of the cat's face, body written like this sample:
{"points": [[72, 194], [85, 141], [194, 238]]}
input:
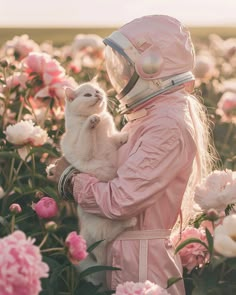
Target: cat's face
{"points": [[86, 100]]}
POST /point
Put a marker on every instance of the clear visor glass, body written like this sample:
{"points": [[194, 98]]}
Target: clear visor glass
{"points": [[118, 68]]}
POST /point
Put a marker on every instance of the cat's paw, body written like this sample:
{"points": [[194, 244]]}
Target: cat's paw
{"points": [[93, 121]]}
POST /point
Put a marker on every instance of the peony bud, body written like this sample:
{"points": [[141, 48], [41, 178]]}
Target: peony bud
{"points": [[39, 195], [15, 208], [46, 207], [212, 214], [3, 63], [51, 226]]}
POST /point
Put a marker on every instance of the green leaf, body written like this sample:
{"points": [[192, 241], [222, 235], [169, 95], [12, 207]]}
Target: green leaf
{"points": [[94, 245], [172, 281], [210, 241], [94, 269], [190, 241], [49, 191]]}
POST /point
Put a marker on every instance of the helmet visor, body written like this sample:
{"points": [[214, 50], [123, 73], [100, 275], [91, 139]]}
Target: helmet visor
{"points": [[119, 69]]}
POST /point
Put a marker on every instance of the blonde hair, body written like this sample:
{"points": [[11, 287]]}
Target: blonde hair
{"points": [[205, 160]]}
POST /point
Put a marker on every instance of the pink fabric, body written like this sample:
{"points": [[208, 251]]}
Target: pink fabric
{"points": [[163, 39], [154, 167]]}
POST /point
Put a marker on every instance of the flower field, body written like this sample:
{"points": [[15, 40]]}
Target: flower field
{"points": [[40, 244]]}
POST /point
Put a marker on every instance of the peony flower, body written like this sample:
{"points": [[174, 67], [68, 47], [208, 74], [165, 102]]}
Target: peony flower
{"points": [[225, 237], [82, 41], [57, 90], [227, 103], [43, 64], [21, 265], [204, 68], [17, 79], [21, 46], [24, 132], [46, 207], [77, 248], [146, 288], [217, 191], [15, 208], [193, 254]]}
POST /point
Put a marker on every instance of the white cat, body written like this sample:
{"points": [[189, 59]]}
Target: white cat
{"points": [[90, 144]]}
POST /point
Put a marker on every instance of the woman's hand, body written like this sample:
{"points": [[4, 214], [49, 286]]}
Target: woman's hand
{"points": [[55, 172]]}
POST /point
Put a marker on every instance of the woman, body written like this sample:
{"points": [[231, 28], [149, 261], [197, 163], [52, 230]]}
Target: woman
{"points": [[149, 62]]}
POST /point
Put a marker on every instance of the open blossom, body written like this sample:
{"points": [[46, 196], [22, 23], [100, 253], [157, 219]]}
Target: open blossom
{"points": [[24, 132], [17, 79], [204, 68], [227, 103], [57, 90], [46, 207], [87, 40], [21, 46], [21, 265], [77, 248], [193, 254], [146, 288], [217, 191], [43, 64], [225, 237]]}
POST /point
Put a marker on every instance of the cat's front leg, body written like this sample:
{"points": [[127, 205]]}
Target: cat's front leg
{"points": [[120, 138], [93, 121], [87, 138]]}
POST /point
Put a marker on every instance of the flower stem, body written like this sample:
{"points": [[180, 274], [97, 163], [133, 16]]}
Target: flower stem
{"points": [[51, 250], [44, 240], [13, 220]]}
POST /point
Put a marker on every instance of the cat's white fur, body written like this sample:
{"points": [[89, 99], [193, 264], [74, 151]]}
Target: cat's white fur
{"points": [[90, 144]]}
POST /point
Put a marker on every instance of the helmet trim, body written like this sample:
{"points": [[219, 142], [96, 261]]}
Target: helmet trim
{"points": [[162, 86]]}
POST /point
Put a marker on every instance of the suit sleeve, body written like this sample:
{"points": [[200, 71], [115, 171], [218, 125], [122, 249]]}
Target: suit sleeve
{"points": [[158, 156]]}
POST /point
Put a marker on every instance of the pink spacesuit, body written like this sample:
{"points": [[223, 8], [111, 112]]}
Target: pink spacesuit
{"points": [[149, 63]]}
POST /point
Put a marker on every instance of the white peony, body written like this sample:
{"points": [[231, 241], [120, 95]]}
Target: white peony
{"points": [[217, 191], [225, 237], [24, 132]]}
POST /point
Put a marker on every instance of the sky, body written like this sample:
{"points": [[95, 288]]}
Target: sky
{"points": [[107, 13]]}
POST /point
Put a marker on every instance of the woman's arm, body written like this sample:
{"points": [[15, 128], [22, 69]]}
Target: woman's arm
{"points": [[158, 159]]}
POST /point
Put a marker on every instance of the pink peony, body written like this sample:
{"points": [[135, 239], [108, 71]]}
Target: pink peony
{"points": [[77, 248], [227, 103], [43, 64], [17, 79], [204, 68], [21, 266], [24, 132], [146, 288], [194, 254], [57, 90], [217, 191], [82, 41], [46, 207], [21, 46]]}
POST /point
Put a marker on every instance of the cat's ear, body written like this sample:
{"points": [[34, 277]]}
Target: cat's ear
{"points": [[70, 94], [95, 79]]}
